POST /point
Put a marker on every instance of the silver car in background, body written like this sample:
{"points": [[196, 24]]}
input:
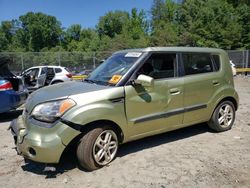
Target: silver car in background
{"points": [[40, 76]]}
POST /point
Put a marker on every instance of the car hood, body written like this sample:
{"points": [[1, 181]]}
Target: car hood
{"points": [[60, 91]]}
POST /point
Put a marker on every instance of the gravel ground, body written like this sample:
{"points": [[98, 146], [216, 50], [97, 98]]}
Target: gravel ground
{"points": [[189, 157]]}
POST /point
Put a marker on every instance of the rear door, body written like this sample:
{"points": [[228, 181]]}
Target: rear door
{"points": [[200, 83], [157, 108]]}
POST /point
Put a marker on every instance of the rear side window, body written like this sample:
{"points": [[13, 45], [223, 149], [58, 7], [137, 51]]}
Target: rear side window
{"points": [[58, 70], [197, 63], [216, 62]]}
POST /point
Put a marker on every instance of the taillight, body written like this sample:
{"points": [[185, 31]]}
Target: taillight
{"points": [[69, 75], [5, 85]]}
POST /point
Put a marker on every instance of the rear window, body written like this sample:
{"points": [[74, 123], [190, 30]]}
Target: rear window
{"points": [[58, 70], [197, 63]]}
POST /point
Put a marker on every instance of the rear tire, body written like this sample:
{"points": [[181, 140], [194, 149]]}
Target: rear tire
{"points": [[97, 148], [223, 117]]}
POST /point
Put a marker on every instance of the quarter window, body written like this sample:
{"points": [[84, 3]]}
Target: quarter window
{"points": [[197, 63], [58, 70], [217, 62]]}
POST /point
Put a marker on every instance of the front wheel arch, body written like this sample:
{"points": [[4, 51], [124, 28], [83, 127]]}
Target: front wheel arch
{"points": [[86, 128], [71, 147]]}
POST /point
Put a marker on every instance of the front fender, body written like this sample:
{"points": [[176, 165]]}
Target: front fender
{"points": [[83, 115]]}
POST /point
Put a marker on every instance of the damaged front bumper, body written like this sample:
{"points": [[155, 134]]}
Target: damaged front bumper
{"points": [[40, 144]]}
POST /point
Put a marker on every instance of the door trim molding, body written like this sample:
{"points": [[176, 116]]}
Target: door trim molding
{"points": [[168, 113]]}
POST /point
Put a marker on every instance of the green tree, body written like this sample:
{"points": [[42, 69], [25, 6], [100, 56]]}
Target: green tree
{"points": [[165, 34], [40, 30], [4, 41], [209, 23], [137, 25], [236, 3], [73, 33], [164, 22], [244, 19], [6, 34], [112, 23]]}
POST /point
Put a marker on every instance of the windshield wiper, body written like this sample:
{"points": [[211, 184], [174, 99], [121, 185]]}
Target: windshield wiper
{"points": [[89, 81]]}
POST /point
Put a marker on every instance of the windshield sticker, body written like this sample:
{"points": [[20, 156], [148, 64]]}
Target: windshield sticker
{"points": [[133, 54], [115, 79]]}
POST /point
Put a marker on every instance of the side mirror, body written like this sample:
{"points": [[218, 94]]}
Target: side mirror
{"points": [[144, 80], [100, 62]]}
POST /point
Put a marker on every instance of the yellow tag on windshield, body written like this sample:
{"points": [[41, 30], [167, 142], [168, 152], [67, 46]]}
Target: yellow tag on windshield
{"points": [[115, 79]]}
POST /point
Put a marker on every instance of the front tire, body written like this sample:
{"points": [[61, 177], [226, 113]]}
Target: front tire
{"points": [[97, 148], [223, 117]]}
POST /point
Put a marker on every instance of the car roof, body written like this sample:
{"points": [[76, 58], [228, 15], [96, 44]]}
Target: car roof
{"points": [[49, 66], [174, 49]]}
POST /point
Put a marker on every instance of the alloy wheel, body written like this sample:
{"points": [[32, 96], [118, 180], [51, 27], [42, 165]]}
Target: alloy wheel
{"points": [[226, 115], [105, 147]]}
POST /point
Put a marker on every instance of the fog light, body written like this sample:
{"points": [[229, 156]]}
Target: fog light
{"points": [[32, 151]]}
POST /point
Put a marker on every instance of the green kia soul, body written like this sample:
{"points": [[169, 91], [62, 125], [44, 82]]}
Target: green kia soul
{"points": [[134, 94]]}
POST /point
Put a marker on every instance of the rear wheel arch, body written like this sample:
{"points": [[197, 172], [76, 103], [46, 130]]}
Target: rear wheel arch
{"points": [[223, 116], [231, 99], [228, 98], [56, 81]]}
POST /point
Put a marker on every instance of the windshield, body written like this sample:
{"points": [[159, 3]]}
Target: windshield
{"points": [[111, 71]]}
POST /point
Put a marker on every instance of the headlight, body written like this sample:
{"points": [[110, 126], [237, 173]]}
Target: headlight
{"points": [[51, 111]]}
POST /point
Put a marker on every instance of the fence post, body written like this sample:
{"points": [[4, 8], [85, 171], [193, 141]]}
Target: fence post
{"points": [[94, 60], [22, 61], [247, 59], [59, 58]]}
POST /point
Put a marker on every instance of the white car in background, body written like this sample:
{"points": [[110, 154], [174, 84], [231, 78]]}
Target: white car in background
{"points": [[40, 76], [233, 68]]}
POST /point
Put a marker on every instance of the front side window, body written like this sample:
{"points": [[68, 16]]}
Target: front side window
{"points": [[43, 71], [33, 72], [159, 66], [112, 70], [197, 63]]}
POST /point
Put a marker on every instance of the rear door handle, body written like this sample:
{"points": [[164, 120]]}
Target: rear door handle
{"points": [[216, 82], [174, 91]]}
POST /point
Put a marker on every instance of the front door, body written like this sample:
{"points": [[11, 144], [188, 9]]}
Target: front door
{"points": [[42, 77], [154, 109], [30, 78]]}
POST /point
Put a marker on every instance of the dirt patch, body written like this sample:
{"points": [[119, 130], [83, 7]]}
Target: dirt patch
{"points": [[190, 157]]}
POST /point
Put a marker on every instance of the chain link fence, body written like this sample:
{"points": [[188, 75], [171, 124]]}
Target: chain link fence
{"points": [[241, 59], [74, 61], [79, 61]]}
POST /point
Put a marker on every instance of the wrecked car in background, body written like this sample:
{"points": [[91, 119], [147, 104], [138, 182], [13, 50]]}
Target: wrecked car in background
{"points": [[40, 76], [13, 93]]}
